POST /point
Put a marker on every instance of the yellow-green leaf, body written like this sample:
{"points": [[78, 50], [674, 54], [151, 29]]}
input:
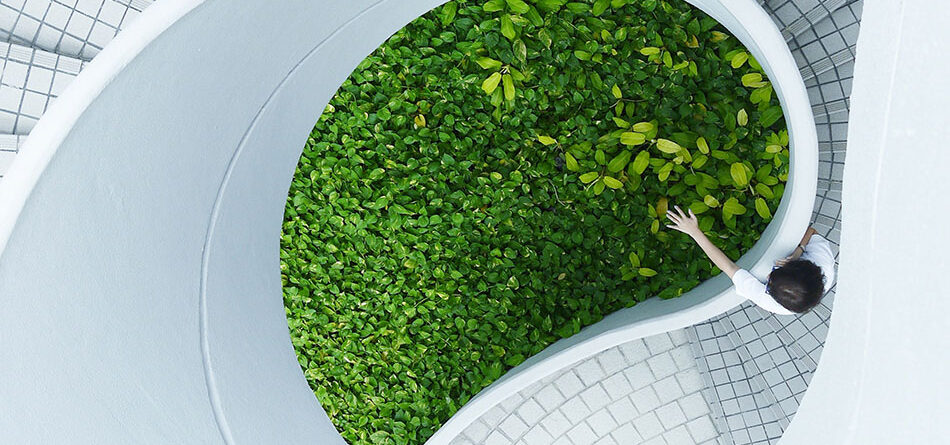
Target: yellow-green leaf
{"points": [[762, 208], [571, 162], [546, 140], [619, 162], [664, 172], [641, 162], [773, 148], [742, 117], [667, 59], [612, 182], [616, 92], [737, 170], [702, 145], [491, 83], [509, 86], [599, 186], [751, 79], [662, 205], [649, 50], [634, 259], [739, 59], [632, 138], [419, 120], [646, 272], [711, 201], [718, 36], [698, 207], [643, 127], [621, 123], [589, 177], [488, 63], [668, 146], [764, 190]]}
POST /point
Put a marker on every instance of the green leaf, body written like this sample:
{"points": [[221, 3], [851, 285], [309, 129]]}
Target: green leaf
{"points": [[732, 207], [491, 83], [616, 92], [646, 272], [612, 182], [668, 146], [738, 173], [551, 5], [589, 177], [650, 50], [620, 122], [770, 116], [600, 6], [632, 138], [762, 209], [518, 6], [599, 186], [546, 140], [507, 27], [711, 201], [582, 55], [448, 13], [494, 5], [742, 118], [761, 95], [619, 162]]}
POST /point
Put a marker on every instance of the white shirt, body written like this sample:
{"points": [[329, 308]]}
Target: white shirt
{"points": [[818, 251]]}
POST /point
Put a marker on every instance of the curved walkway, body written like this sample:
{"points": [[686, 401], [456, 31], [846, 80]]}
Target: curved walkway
{"points": [[645, 391]]}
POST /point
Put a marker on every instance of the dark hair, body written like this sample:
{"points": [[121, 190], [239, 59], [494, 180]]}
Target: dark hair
{"points": [[797, 286]]}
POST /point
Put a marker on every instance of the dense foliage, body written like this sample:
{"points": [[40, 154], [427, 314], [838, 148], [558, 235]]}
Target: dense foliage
{"points": [[494, 177]]}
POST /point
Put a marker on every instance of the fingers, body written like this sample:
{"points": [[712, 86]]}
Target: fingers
{"points": [[673, 217], [680, 212], [691, 214]]}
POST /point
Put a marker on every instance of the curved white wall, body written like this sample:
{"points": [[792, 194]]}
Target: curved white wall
{"points": [[139, 268]]}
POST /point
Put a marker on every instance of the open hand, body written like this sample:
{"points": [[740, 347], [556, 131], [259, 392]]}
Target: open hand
{"points": [[686, 224]]}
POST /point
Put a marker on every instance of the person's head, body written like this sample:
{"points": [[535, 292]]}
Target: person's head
{"points": [[797, 286]]}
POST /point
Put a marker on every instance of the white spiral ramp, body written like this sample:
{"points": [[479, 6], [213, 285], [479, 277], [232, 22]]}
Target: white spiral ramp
{"points": [[139, 233]]}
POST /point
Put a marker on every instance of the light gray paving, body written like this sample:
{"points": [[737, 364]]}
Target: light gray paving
{"points": [[75, 28], [29, 82], [645, 391]]}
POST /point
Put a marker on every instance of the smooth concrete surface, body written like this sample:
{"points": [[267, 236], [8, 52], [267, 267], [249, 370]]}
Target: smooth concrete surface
{"points": [[883, 374], [140, 227]]}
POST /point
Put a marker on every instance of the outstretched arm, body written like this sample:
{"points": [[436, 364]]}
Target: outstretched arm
{"points": [[690, 226], [799, 249]]}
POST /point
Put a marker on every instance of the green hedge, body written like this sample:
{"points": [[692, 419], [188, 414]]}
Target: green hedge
{"points": [[488, 181]]}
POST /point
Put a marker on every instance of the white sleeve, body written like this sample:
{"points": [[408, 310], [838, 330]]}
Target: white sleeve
{"points": [[818, 251], [751, 288]]}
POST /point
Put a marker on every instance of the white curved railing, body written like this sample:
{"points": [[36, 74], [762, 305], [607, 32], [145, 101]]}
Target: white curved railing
{"points": [[141, 224]]}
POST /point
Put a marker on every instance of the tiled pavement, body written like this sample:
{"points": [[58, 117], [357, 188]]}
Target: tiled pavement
{"points": [[647, 391]]}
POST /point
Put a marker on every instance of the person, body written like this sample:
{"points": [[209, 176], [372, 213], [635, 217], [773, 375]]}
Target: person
{"points": [[796, 283]]}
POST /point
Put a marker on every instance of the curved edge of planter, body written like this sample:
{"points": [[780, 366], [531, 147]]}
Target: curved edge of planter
{"points": [[749, 22]]}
